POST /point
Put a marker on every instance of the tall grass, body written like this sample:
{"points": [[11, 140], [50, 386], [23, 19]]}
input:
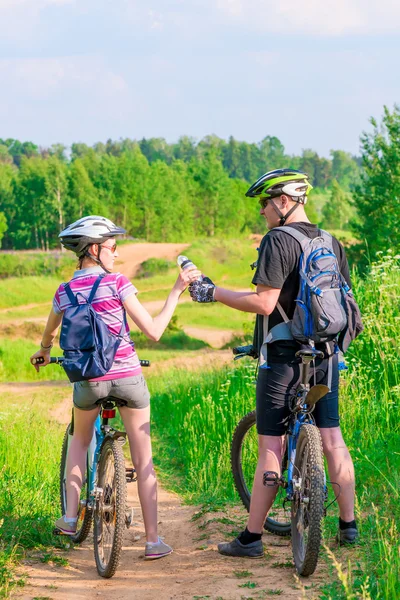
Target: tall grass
{"points": [[29, 454], [195, 420]]}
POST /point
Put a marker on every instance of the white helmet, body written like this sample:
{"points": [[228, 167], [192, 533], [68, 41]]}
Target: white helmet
{"points": [[88, 230]]}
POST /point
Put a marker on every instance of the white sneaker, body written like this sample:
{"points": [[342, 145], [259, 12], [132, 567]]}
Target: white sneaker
{"points": [[156, 550]]}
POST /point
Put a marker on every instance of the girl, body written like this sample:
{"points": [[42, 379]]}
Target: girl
{"points": [[93, 239]]}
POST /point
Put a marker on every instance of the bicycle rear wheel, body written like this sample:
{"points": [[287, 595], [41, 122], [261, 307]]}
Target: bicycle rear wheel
{"points": [[244, 455], [85, 514], [308, 502], [109, 513]]}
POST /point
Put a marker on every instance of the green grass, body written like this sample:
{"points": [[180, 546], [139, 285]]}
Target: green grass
{"points": [[22, 264], [30, 445], [28, 290], [15, 365], [212, 316]]}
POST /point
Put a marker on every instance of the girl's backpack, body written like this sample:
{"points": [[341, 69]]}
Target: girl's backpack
{"points": [[89, 346]]}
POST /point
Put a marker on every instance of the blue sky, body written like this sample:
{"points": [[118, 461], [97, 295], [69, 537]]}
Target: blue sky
{"points": [[311, 72]]}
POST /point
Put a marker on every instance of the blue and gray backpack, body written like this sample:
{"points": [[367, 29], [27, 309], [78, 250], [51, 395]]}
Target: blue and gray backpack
{"points": [[326, 310], [89, 346]]}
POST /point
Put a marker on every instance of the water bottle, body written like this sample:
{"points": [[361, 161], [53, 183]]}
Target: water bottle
{"points": [[184, 262]]}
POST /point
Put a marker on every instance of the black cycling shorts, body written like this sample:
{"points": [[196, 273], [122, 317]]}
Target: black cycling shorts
{"points": [[276, 387]]}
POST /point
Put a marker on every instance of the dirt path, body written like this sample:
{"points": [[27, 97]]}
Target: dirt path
{"points": [[195, 570], [132, 255]]}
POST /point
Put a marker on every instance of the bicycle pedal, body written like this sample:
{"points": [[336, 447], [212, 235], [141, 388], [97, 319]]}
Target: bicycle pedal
{"points": [[130, 475], [57, 531], [271, 479]]}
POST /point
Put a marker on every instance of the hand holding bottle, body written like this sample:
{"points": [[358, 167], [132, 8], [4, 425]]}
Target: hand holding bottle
{"points": [[189, 274]]}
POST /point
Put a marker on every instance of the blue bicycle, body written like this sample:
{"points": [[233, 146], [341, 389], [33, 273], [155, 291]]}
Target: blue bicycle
{"points": [[299, 506], [103, 493]]}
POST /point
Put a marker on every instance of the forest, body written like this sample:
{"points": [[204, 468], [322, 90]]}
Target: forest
{"points": [[157, 191]]}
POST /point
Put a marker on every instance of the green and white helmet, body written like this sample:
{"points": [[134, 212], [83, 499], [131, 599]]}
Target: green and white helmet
{"points": [[282, 181]]}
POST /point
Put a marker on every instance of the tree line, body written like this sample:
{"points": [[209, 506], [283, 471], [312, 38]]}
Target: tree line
{"points": [[157, 191]]}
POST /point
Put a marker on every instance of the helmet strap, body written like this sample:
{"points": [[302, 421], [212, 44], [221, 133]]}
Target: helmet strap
{"points": [[96, 259], [283, 218]]}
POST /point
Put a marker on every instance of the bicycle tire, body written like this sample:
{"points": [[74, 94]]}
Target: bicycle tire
{"points": [[85, 513], [307, 518], [110, 508], [242, 482]]}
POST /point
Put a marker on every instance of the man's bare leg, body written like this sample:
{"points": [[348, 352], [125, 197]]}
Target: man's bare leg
{"points": [[248, 543], [270, 450], [341, 470]]}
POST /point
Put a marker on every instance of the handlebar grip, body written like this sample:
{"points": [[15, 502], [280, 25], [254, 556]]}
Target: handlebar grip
{"points": [[53, 359], [243, 349]]}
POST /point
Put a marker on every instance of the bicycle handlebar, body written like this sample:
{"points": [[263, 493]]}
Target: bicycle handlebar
{"points": [[60, 359], [241, 351]]}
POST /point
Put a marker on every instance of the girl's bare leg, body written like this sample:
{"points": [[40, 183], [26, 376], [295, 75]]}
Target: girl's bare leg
{"points": [[137, 426]]}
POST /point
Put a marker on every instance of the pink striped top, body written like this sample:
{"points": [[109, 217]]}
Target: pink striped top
{"points": [[113, 290]]}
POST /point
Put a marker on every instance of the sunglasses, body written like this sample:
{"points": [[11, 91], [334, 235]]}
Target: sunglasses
{"points": [[263, 202], [112, 248]]}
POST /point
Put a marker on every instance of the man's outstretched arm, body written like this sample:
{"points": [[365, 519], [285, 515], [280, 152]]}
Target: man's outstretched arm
{"points": [[262, 302]]}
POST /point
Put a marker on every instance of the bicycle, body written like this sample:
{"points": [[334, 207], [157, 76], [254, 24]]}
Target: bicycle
{"points": [[103, 493], [302, 484]]}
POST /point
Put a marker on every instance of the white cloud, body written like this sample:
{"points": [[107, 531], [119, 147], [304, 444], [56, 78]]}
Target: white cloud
{"points": [[38, 78], [313, 17], [30, 6]]}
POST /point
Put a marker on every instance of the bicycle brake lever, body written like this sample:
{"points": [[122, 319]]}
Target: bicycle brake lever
{"points": [[240, 356]]}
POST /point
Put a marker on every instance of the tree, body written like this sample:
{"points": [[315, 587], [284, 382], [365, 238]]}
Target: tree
{"points": [[272, 154], [8, 204], [3, 226], [377, 197], [83, 197], [56, 188], [33, 211], [5, 156], [345, 169], [338, 210]]}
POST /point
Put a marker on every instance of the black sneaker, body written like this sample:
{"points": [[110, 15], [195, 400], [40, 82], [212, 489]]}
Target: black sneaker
{"points": [[347, 536], [236, 548]]}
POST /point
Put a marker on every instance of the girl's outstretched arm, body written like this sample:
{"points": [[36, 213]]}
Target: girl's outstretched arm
{"points": [[154, 327]]}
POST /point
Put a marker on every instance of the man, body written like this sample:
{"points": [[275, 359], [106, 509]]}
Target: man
{"points": [[282, 195]]}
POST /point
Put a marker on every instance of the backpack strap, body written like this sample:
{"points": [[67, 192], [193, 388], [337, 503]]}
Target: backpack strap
{"points": [[327, 238], [297, 235], [95, 287], [70, 294]]}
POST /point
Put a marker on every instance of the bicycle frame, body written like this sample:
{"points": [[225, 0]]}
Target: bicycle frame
{"points": [[292, 436], [102, 430]]}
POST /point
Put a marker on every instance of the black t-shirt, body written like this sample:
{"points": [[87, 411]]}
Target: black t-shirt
{"points": [[278, 267]]}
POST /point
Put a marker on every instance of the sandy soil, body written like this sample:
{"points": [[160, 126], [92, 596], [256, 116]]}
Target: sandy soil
{"points": [[132, 255]]}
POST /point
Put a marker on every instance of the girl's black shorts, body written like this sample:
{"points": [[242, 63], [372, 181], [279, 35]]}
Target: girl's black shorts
{"points": [[276, 387]]}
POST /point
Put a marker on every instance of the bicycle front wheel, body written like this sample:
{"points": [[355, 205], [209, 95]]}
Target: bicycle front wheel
{"points": [[308, 502], [244, 456], [109, 513], [84, 521]]}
